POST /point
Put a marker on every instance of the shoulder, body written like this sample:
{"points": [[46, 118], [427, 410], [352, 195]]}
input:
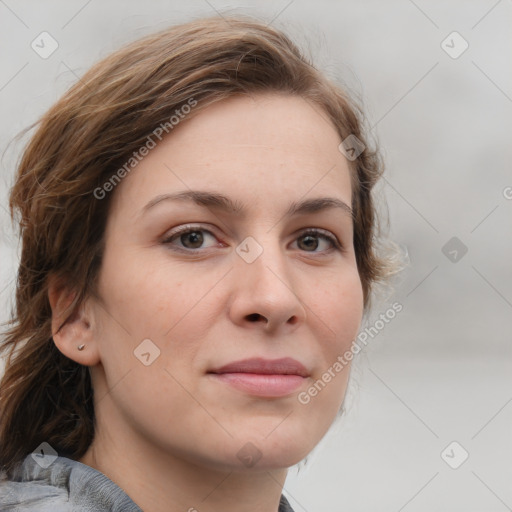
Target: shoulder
{"points": [[33, 496], [61, 485], [284, 506]]}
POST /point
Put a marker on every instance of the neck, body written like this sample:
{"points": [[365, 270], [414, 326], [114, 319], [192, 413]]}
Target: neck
{"points": [[158, 481]]}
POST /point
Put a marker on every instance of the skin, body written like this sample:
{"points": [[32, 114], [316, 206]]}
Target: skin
{"points": [[169, 433]]}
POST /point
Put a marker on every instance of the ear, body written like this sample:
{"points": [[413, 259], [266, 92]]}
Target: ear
{"points": [[75, 330]]}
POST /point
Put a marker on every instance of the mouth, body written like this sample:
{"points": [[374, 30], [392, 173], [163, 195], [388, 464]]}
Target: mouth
{"points": [[263, 377]]}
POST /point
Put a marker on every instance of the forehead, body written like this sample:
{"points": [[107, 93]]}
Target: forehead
{"points": [[272, 147]]}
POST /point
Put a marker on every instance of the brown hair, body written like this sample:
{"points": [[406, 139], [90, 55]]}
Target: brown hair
{"points": [[79, 144]]}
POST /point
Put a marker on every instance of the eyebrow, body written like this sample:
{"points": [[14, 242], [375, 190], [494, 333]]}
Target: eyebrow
{"points": [[221, 202]]}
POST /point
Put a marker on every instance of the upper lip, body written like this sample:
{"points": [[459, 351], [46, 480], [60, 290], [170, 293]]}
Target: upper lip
{"points": [[283, 366]]}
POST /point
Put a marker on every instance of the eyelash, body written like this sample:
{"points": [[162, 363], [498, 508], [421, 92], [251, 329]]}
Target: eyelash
{"points": [[308, 231]]}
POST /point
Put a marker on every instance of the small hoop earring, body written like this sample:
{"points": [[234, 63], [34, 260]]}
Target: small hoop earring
{"points": [[81, 347]]}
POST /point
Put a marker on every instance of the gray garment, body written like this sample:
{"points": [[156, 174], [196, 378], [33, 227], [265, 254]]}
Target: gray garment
{"points": [[67, 486]]}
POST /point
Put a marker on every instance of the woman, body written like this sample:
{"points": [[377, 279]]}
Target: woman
{"points": [[198, 237]]}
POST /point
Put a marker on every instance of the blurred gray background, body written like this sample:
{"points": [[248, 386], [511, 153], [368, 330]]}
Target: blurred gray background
{"points": [[441, 371]]}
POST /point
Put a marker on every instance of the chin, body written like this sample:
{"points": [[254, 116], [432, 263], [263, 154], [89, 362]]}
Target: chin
{"points": [[256, 453], [279, 452]]}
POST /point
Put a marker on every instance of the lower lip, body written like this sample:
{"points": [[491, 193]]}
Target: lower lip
{"points": [[261, 384]]}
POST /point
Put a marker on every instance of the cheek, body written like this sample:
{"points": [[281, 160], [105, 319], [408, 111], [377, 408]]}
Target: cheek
{"points": [[148, 294], [340, 308], [338, 302], [170, 305]]}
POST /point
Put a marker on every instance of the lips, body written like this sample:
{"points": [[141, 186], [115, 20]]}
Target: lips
{"points": [[270, 378], [284, 366]]}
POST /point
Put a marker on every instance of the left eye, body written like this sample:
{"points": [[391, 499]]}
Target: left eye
{"points": [[310, 240], [192, 238]]}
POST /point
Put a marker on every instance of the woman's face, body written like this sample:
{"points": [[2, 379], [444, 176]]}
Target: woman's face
{"points": [[189, 286]]}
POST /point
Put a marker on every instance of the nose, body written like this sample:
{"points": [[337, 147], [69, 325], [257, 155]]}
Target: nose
{"points": [[265, 293]]}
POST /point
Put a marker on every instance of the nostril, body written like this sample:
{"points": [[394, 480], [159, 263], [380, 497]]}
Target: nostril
{"points": [[254, 317]]}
